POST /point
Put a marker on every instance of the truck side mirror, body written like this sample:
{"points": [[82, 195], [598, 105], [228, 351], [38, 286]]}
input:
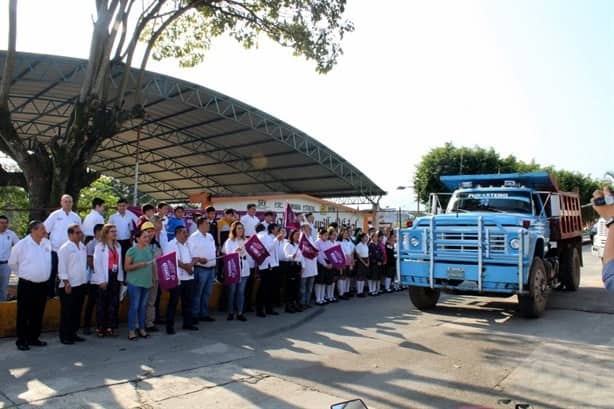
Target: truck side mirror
{"points": [[555, 206]]}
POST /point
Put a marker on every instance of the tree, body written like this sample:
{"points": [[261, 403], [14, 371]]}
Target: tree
{"points": [[14, 205], [450, 160], [180, 29]]}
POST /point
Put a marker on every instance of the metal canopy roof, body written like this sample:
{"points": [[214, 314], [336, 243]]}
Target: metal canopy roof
{"points": [[193, 139]]}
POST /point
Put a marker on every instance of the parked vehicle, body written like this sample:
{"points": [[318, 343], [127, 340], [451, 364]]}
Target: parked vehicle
{"points": [[500, 235]]}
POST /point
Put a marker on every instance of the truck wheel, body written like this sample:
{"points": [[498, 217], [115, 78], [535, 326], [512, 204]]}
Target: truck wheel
{"points": [[570, 269], [533, 305], [424, 298]]}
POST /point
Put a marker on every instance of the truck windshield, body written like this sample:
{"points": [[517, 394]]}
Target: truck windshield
{"points": [[491, 201]]}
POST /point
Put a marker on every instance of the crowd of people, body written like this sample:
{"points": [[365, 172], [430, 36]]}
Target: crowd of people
{"points": [[92, 265]]}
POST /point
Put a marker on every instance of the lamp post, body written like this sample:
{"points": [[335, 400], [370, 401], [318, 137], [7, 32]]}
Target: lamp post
{"points": [[416, 193]]}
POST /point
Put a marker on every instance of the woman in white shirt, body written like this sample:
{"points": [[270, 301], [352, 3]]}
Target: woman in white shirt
{"points": [[343, 284], [362, 263], [108, 274], [236, 292], [293, 268], [309, 269], [325, 269]]}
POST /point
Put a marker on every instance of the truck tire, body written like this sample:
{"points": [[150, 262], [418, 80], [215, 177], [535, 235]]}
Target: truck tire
{"points": [[533, 305], [424, 298], [570, 269]]}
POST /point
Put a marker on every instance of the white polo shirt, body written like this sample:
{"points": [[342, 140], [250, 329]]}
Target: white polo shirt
{"points": [[270, 243], [31, 261], [57, 226], [183, 254], [124, 224], [203, 246], [90, 221], [249, 223], [7, 240], [72, 264]]}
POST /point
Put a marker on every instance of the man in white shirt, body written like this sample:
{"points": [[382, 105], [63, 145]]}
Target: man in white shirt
{"points": [[8, 239], [57, 225], [95, 216], [125, 222], [269, 272], [269, 218], [250, 220], [72, 272], [30, 260], [311, 220], [185, 289], [202, 248]]}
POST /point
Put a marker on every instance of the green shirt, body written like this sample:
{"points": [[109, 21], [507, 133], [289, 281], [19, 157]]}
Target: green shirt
{"points": [[141, 277]]}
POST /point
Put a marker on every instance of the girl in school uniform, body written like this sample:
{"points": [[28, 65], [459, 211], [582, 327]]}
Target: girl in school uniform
{"points": [[291, 263], [376, 264], [310, 269], [236, 292], [343, 284], [334, 272], [391, 262], [324, 267], [362, 263]]}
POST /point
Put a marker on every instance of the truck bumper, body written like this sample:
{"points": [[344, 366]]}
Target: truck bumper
{"points": [[496, 278]]}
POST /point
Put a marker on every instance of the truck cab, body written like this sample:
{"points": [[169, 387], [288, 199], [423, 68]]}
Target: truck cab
{"points": [[501, 235]]}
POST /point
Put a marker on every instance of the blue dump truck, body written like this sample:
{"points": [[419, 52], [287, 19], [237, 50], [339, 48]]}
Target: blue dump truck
{"points": [[500, 235]]}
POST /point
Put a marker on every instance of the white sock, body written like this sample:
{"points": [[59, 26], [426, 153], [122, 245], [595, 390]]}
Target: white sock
{"points": [[332, 291], [346, 286], [340, 287], [317, 292], [322, 289], [387, 282], [360, 286], [370, 285]]}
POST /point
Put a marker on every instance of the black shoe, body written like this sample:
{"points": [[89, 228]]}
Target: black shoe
{"points": [[230, 317], [77, 338], [290, 309], [152, 329], [170, 331], [361, 295], [207, 319], [272, 312], [190, 328], [87, 331], [67, 341], [23, 347], [160, 321], [249, 309], [261, 314], [241, 317], [306, 306], [38, 343], [195, 321]]}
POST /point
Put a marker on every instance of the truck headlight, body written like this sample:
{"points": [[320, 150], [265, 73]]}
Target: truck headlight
{"points": [[515, 244], [414, 241]]}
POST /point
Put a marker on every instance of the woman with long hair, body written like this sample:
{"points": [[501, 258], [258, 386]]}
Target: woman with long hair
{"points": [[343, 284], [140, 269], [108, 274], [236, 292], [292, 265], [362, 263]]}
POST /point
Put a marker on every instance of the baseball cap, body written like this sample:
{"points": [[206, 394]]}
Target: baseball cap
{"points": [[147, 225]]}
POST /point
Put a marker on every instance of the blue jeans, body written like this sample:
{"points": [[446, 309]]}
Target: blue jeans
{"points": [[5, 273], [204, 278], [138, 306], [306, 289], [238, 290]]}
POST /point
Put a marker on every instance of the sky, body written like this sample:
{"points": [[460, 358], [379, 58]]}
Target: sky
{"points": [[531, 78]]}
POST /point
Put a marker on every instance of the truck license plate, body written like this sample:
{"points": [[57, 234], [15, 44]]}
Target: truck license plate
{"points": [[456, 274]]}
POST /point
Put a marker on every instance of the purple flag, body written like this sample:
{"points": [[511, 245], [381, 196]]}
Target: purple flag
{"points": [[309, 251], [256, 249], [167, 271], [232, 269], [335, 256], [290, 219]]}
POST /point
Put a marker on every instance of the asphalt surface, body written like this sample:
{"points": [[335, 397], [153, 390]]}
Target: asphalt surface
{"points": [[469, 351]]}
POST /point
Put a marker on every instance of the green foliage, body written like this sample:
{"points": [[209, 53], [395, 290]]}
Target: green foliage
{"points": [[313, 29], [450, 160], [14, 205]]}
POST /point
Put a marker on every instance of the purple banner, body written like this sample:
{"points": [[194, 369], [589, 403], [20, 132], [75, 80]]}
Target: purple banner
{"points": [[232, 269], [256, 249], [335, 256], [290, 219], [167, 271], [309, 251]]}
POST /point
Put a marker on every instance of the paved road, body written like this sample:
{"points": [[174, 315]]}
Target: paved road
{"points": [[469, 351]]}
